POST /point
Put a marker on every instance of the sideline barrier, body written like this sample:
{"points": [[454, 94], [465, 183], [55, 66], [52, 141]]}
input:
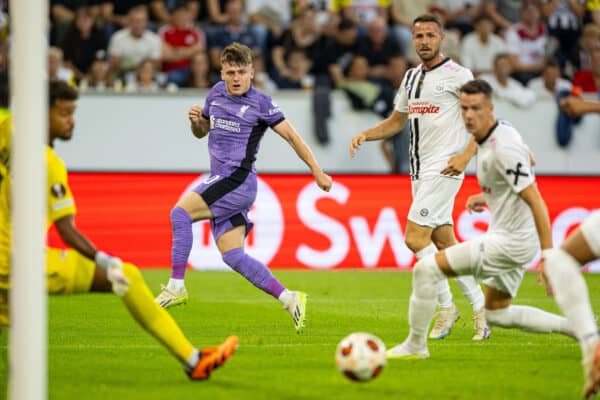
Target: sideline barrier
{"points": [[359, 224]]}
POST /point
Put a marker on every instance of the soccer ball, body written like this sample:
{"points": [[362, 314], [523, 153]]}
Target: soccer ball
{"points": [[360, 356]]}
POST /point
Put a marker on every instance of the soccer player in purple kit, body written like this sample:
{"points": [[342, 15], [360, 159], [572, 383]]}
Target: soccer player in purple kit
{"points": [[235, 116]]}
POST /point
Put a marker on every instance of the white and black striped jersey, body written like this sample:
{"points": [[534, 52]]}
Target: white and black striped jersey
{"points": [[503, 171], [431, 100]]}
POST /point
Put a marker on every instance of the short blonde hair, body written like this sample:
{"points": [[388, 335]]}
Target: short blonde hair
{"points": [[237, 54]]}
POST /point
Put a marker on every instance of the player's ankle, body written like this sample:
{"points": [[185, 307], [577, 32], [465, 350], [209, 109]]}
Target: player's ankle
{"points": [[175, 284], [286, 297]]}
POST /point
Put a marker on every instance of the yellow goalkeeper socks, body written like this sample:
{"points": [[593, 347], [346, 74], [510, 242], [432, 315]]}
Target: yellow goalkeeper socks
{"points": [[152, 317]]}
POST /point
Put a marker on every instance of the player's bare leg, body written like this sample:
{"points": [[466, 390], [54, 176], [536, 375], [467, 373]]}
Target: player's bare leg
{"points": [[443, 237], [231, 246], [562, 269]]}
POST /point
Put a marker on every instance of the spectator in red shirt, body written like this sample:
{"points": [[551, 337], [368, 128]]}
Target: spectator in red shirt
{"points": [[589, 80], [180, 40]]}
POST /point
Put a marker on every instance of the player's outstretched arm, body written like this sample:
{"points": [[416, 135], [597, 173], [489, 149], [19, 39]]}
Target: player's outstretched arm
{"points": [[574, 106], [536, 203], [287, 131], [390, 126], [78, 241], [198, 124], [458, 163]]}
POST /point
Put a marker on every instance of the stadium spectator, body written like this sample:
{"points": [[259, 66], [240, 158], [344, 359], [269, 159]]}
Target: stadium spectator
{"points": [[98, 77], [589, 79], [116, 13], [297, 76], [130, 45], [199, 77], [180, 39], [479, 48], [580, 57], [563, 19], [56, 70], [528, 43], [402, 13], [379, 46], [303, 34], [361, 12], [437, 163], [458, 14], [161, 10], [262, 80], [505, 87], [504, 13], [62, 13], [550, 84], [145, 79], [234, 30], [83, 268], [216, 12], [82, 41], [519, 226], [269, 16], [238, 115]]}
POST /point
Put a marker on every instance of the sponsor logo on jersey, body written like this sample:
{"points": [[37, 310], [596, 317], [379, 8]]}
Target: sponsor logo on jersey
{"points": [[486, 189], [243, 110], [58, 190], [423, 107], [424, 212], [274, 109], [225, 124]]}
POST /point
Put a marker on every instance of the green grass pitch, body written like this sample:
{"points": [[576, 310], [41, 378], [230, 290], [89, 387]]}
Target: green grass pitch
{"points": [[97, 352]]}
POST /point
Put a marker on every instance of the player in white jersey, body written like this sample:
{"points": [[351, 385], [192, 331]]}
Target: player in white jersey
{"points": [[562, 269], [519, 224], [428, 100]]}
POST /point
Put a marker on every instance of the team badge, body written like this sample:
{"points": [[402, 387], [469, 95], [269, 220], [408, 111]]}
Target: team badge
{"points": [[243, 110], [58, 190], [424, 212]]}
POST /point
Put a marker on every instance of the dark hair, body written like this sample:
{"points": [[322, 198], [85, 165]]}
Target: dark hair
{"points": [[551, 62], [60, 90], [4, 89], [477, 86], [501, 55], [237, 54], [428, 18]]}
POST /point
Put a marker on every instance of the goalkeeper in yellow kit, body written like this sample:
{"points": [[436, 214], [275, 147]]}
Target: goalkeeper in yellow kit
{"points": [[83, 268]]}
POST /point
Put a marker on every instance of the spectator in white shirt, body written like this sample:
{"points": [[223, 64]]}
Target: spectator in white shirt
{"points": [[128, 47], [550, 84], [480, 47], [504, 86]]}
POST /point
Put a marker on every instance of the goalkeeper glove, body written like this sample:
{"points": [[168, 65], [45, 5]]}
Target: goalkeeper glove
{"points": [[114, 272]]}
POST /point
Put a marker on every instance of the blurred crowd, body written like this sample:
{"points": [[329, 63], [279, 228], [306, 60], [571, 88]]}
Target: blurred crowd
{"points": [[527, 49]]}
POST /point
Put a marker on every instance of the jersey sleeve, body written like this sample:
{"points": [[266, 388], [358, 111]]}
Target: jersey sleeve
{"points": [[465, 75], [206, 108], [270, 111], [514, 164], [60, 198], [401, 99]]}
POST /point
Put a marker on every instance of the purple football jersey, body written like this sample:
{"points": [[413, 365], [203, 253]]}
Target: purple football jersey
{"points": [[237, 125]]}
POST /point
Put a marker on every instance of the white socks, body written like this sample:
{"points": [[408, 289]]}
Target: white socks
{"points": [[192, 360], [426, 277], [472, 291], [571, 294], [175, 284], [285, 297], [529, 319], [444, 295]]}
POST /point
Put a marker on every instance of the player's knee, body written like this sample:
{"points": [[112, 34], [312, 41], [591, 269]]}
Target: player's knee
{"points": [[179, 216], [427, 270], [234, 257], [132, 273], [416, 242]]}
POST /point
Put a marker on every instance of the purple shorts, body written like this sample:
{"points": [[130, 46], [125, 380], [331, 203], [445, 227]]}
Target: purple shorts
{"points": [[229, 198]]}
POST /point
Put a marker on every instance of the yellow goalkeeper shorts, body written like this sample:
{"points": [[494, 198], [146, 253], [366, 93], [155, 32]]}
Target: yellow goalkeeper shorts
{"points": [[67, 271]]}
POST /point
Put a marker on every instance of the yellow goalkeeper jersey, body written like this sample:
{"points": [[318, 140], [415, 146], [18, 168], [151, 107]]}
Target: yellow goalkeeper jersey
{"points": [[60, 198], [5, 131]]}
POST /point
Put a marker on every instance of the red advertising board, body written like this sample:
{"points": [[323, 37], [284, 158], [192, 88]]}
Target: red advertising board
{"points": [[360, 223]]}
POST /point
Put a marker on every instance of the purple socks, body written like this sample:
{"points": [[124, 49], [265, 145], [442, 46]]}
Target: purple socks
{"points": [[253, 270], [181, 228]]}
